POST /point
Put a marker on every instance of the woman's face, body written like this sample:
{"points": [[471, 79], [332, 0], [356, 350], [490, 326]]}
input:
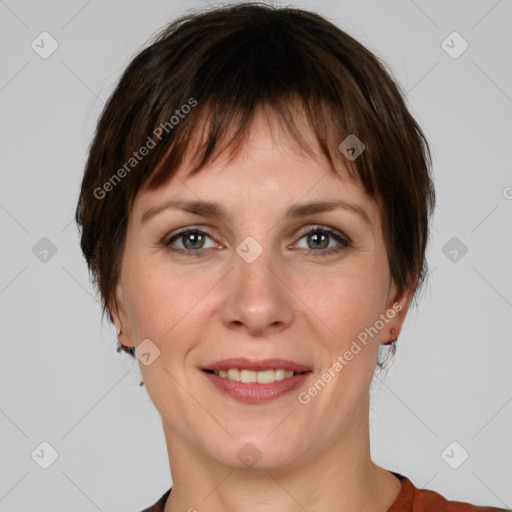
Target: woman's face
{"points": [[255, 286]]}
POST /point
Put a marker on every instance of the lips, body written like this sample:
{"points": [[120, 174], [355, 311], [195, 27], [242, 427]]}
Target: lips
{"points": [[256, 381], [243, 363], [254, 392]]}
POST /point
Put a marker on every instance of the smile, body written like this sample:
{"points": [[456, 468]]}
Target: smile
{"points": [[255, 382], [261, 377]]}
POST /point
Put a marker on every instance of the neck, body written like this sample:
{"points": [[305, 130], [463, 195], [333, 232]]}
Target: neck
{"points": [[340, 477]]}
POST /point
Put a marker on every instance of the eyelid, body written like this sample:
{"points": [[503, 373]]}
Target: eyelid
{"points": [[181, 231], [342, 240], [304, 231], [323, 227]]}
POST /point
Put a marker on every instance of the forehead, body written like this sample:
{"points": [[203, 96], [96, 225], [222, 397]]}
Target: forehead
{"points": [[272, 168]]}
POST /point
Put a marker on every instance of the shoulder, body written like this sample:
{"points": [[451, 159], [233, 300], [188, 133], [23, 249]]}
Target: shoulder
{"points": [[412, 499], [159, 505]]}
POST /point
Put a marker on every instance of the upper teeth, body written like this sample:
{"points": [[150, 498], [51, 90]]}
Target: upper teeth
{"points": [[262, 377]]}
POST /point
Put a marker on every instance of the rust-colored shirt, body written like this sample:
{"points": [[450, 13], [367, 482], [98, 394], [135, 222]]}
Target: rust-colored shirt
{"points": [[409, 499]]}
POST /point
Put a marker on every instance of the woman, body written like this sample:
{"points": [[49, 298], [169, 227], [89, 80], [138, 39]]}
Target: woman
{"points": [[254, 212]]}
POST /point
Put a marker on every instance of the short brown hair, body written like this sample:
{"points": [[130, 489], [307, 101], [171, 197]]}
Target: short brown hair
{"points": [[224, 64]]}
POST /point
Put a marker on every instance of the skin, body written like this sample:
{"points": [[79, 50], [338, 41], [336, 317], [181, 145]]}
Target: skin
{"points": [[292, 302]]}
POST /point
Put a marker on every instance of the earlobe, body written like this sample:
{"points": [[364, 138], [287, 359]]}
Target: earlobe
{"points": [[117, 307], [120, 319], [401, 302], [400, 299], [396, 311]]}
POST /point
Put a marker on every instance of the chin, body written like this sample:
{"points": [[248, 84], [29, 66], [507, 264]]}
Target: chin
{"points": [[256, 452]]}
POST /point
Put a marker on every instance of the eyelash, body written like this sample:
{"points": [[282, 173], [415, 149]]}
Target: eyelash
{"points": [[343, 240]]}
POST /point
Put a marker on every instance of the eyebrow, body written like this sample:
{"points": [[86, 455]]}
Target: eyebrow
{"points": [[211, 209]]}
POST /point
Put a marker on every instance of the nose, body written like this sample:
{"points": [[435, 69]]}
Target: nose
{"points": [[257, 298]]}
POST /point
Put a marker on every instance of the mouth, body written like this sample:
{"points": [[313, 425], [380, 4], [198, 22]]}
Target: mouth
{"points": [[255, 382], [249, 376]]}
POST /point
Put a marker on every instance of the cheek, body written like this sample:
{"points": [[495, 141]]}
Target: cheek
{"points": [[162, 301], [346, 301]]}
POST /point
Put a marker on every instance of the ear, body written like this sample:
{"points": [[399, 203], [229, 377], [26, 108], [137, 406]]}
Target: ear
{"points": [[120, 319], [397, 305]]}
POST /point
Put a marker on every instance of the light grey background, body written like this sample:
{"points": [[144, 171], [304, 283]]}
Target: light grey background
{"points": [[62, 381]]}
